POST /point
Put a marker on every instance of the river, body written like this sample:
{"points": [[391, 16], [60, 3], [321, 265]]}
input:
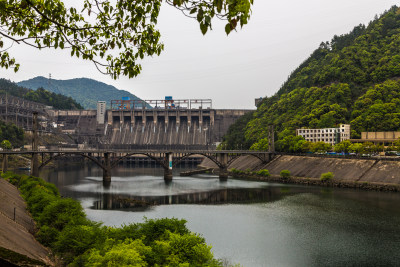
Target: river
{"points": [[246, 222]]}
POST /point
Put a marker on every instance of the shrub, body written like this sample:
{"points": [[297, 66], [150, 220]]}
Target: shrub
{"points": [[39, 200], [76, 239], [285, 174], [263, 172], [151, 229], [326, 176], [64, 228], [12, 178], [236, 171], [128, 253], [63, 212], [233, 170], [47, 235], [247, 171]]}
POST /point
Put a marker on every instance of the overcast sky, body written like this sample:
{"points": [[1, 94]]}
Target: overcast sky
{"points": [[231, 70]]}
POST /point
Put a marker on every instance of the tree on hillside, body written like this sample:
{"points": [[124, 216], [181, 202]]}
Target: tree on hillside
{"points": [[114, 35], [5, 144]]}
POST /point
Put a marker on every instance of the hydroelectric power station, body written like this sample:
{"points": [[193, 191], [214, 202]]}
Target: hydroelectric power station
{"points": [[180, 124]]}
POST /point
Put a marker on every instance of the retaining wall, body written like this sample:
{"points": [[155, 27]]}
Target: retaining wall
{"points": [[345, 170]]}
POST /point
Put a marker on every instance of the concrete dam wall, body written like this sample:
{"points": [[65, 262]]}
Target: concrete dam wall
{"points": [[201, 128], [160, 133]]}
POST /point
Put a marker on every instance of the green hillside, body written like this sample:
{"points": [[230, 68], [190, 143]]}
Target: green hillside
{"points": [[57, 101], [353, 79], [85, 91]]}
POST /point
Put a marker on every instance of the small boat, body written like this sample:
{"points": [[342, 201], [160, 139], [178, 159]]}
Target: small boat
{"points": [[28, 168]]}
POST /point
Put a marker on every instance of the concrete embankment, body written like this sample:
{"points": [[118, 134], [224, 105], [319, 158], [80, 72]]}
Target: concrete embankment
{"points": [[17, 244], [366, 173]]}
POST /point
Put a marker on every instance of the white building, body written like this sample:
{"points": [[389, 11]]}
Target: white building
{"points": [[101, 111], [327, 135]]}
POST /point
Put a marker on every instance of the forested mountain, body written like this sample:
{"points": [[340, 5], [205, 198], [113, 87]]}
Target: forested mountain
{"points": [[353, 79], [85, 91], [57, 101]]}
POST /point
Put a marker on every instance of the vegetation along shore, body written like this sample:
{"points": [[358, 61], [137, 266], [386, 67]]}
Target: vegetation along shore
{"points": [[62, 226], [368, 173]]}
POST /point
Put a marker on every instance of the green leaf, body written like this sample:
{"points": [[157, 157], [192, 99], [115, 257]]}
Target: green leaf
{"points": [[203, 28], [228, 28], [200, 15]]}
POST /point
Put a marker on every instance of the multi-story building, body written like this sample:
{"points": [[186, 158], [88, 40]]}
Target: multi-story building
{"points": [[327, 135], [386, 138]]}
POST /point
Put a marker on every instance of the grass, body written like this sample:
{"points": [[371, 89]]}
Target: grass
{"points": [[18, 259]]}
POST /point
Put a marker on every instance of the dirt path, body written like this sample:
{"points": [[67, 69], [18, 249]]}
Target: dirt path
{"points": [[16, 235]]}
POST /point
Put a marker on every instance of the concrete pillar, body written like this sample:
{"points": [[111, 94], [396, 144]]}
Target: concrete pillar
{"points": [[223, 173], [4, 166], [132, 117], [121, 117], [35, 165], [155, 117], [107, 170], [109, 117], [166, 117], [178, 117], [223, 169], [168, 167], [143, 116], [35, 156]]}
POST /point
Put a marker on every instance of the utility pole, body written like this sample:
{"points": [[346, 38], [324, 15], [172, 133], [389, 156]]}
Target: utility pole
{"points": [[35, 155], [271, 139], [6, 107]]}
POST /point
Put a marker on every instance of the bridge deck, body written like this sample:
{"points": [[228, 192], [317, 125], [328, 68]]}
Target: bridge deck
{"points": [[129, 151]]}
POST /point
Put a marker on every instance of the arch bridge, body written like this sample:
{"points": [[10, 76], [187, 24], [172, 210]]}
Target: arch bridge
{"points": [[108, 159]]}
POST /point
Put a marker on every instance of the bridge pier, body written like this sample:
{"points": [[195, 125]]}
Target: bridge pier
{"points": [[4, 165], [167, 174], [223, 167], [35, 165], [223, 174], [107, 170], [168, 167]]}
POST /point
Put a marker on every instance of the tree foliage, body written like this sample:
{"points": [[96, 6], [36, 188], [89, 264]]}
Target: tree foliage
{"points": [[5, 144], [327, 176], [64, 228], [343, 147], [114, 35], [352, 79], [11, 133]]}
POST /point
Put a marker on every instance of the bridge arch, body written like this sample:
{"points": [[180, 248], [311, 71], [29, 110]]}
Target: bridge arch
{"points": [[186, 155], [233, 157], [161, 162], [59, 155]]}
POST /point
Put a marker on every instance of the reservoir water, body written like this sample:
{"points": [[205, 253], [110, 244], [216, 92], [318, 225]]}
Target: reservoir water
{"points": [[246, 222]]}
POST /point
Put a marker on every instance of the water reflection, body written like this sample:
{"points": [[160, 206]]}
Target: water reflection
{"points": [[222, 196], [251, 223], [139, 189]]}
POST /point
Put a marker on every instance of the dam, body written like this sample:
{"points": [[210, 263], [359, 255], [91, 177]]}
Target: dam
{"points": [[179, 124]]}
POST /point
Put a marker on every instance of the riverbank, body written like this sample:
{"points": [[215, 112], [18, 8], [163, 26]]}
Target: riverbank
{"points": [[370, 174], [17, 243]]}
